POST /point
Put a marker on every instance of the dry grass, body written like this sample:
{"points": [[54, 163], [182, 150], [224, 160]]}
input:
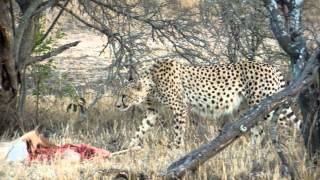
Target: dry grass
{"points": [[110, 129]]}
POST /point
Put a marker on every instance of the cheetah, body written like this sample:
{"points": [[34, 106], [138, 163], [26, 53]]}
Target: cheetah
{"points": [[212, 90]]}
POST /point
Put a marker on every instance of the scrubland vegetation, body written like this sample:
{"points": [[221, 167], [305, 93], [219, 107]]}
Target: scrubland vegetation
{"points": [[110, 129], [44, 68]]}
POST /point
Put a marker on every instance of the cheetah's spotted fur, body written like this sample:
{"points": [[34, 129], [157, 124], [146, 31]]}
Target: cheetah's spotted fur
{"points": [[213, 90]]}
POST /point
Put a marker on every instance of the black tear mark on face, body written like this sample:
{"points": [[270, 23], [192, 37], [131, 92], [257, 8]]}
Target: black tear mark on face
{"points": [[123, 98]]}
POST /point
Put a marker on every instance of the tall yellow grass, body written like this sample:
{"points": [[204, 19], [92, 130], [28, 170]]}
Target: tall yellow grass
{"points": [[109, 129]]}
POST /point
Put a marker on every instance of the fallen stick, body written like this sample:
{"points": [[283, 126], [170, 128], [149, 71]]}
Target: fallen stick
{"points": [[136, 148]]}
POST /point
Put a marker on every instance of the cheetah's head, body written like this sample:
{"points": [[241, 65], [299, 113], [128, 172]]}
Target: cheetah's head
{"points": [[132, 94]]}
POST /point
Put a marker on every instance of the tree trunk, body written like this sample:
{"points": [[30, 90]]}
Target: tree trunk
{"points": [[16, 53], [8, 72], [16, 49], [286, 27], [311, 127]]}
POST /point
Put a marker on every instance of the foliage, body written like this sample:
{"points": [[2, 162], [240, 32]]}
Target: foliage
{"points": [[68, 89], [42, 72]]}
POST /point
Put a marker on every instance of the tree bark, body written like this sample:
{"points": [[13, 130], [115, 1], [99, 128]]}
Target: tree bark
{"points": [[286, 27], [16, 54], [15, 51], [8, 73]]}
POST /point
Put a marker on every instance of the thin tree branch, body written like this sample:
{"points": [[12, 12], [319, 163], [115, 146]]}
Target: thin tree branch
{"points": [[44, 6], [238, 128], [80, 19], [108, 32], [160, 24], [54, 52], [54, 22]]}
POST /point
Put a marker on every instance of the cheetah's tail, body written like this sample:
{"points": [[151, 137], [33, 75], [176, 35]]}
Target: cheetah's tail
{"points": [[288, 114]]}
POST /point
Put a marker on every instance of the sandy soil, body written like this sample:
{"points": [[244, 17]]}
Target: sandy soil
{"points": [[84, 63]]}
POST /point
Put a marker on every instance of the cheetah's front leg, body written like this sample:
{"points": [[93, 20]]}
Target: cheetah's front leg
{"points": [[148, 122], [180, 117]]}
